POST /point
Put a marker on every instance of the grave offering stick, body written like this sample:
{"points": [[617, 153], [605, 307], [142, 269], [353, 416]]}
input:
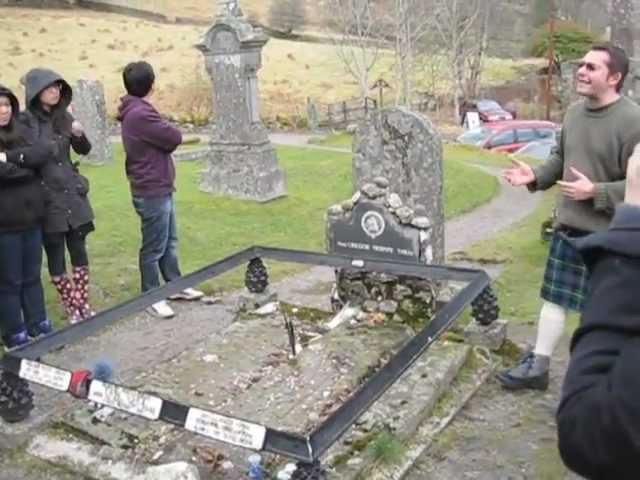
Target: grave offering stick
{"points": [[288, 323]]}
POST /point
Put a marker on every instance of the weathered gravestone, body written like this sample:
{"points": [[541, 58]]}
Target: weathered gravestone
{"points": [[405, 148], [242, 161], [375, 224], [89, 108]]}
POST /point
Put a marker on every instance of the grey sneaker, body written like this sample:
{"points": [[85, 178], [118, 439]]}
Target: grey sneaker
{"points": [[531, 373], [161, 310], [189, 294]]}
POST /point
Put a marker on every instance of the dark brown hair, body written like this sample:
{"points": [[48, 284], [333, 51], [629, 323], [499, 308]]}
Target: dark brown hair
{"points": [[10, 137], [618, 61]]}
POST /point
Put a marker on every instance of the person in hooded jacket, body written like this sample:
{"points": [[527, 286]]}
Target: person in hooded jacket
{"points": [[69, 216], [22, 208], [599, 414], [148, 141]]}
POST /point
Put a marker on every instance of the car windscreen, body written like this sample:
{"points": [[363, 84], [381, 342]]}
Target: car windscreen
{"points": [[475, 136], [484, 105], [539, 150]]}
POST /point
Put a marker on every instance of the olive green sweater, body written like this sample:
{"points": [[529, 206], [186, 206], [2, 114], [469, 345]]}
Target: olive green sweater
{"points": [[598, 143]]}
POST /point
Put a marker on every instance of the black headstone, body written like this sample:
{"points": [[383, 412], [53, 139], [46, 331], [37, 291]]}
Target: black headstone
{"points": [[372, 232]]}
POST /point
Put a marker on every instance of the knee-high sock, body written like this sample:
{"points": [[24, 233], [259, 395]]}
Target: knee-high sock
{"points": [[550, 328]]}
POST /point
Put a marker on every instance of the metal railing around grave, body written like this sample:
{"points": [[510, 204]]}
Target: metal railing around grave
{"points": [[24, 365]]}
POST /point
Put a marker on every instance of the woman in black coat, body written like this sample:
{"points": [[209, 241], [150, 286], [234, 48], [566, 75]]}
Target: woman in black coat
{"points": [[69, 217], [22, 207]]}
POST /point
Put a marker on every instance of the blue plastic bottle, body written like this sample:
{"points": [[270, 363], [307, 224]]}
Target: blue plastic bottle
{"points": [[255, 467]]}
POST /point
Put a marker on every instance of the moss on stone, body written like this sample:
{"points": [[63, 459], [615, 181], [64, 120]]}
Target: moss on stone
{"points": [[304, 314]]}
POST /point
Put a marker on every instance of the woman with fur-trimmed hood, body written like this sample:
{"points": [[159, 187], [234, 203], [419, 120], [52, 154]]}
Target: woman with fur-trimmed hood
{"points": [[69, 216], [22, 208]]}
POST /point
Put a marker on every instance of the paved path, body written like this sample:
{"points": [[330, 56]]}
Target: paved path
{"points": [[500, 435], [509, 207]]}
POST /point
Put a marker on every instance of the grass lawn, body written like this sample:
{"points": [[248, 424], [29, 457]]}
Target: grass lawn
{"points": [[212, 227], [524, 254], [80, 43], [466, 153]]}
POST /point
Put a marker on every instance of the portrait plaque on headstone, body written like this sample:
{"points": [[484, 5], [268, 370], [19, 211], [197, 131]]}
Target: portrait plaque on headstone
{"points": [[373, 232]]}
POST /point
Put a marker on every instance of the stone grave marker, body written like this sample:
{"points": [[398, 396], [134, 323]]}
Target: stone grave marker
{"points": [[89, 108], [404, 148], [375, 224], [242, 161]]}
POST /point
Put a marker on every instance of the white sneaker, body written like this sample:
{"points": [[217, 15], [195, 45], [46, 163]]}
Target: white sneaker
{"points": [[161, 309], [188, 294]]}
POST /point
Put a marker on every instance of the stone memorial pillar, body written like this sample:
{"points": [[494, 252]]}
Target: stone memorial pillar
{"points": [[242, 161], [89, 108]]}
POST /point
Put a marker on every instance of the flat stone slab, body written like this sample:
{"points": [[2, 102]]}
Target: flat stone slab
{"points": [[490, 336], [246, 371], [208, 358]]}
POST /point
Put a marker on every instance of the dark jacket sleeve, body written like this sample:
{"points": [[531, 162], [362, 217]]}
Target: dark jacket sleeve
{"points": [[599, 414], [81, 145], [599, 428], [11, 173], [31, 156], [158, 132]]}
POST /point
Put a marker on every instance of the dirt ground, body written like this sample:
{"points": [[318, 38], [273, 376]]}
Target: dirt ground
{"points": [[502, 435]]}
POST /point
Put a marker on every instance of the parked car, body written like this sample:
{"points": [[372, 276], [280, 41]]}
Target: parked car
{"points": [[511, 135], [539, 150], [488, 110]]}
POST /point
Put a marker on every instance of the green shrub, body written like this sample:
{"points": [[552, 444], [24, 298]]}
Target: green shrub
{"points": [[571, 41]]}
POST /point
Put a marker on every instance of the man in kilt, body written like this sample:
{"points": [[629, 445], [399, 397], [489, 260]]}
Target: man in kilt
{"points": [[589, 166]]}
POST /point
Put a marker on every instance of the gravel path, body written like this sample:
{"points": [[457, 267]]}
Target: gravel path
{"points": [[501, 435]]}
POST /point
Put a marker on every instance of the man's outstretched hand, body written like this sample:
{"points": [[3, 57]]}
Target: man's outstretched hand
{"points": [[580, 189], [519, 174]]}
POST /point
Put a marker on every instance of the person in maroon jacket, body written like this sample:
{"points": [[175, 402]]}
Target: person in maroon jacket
{"points": [[148, 142]]}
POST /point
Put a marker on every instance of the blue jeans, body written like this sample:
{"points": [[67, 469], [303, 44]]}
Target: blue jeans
{"points": [[21, 296], [159, 240]]}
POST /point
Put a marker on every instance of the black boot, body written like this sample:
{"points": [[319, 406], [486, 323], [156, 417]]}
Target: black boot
{"points": [[16, 399], [532, 372]]}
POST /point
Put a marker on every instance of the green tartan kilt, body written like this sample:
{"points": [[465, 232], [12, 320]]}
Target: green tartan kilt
{"points": [[565, 277]]}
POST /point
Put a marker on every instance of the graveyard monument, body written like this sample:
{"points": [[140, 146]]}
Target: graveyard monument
{"points": [[404, 148], [242, 162], [89, 107]]}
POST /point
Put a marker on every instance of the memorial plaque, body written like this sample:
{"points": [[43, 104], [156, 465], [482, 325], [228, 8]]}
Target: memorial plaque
{"points": [[125, 399], [373, 232], [226, 429], [45, 375]]}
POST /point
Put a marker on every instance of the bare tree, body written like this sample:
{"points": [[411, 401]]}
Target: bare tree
{"points": [[433, 67], [477, 51], [456, 22], [358, 42], [621, 21], [410, 22]]}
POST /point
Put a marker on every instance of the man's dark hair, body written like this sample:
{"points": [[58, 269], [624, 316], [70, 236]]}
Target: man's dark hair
{"points": [[618, 61], [138, 78]]}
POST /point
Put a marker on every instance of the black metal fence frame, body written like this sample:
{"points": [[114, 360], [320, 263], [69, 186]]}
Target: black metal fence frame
{"points": [[303, 448]]}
